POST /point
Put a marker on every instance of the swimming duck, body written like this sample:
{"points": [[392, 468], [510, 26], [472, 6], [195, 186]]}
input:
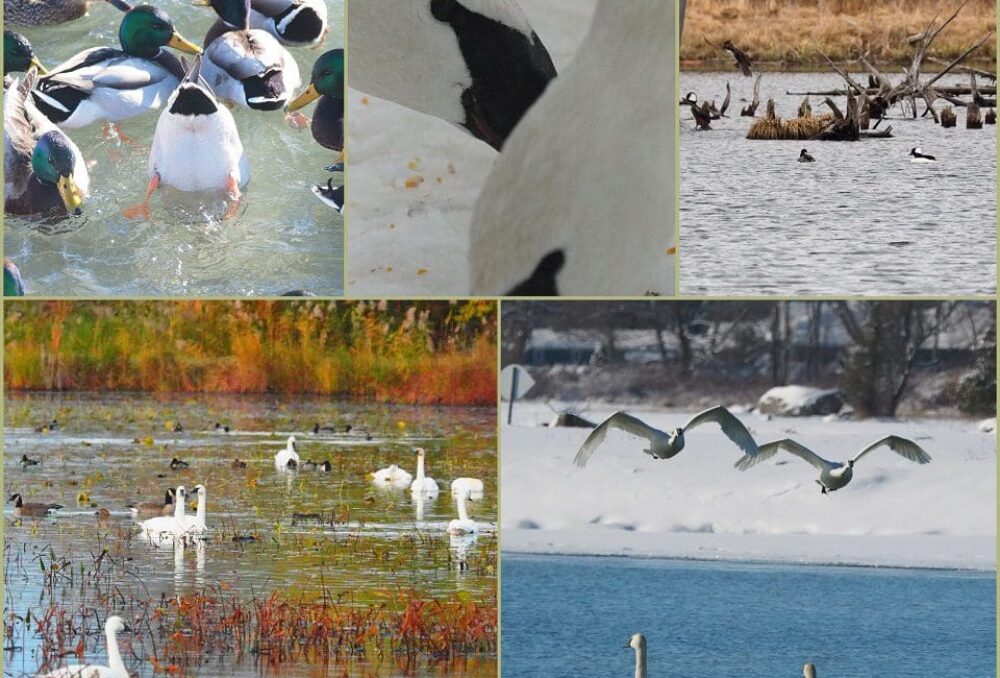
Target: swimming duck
{"points": [[330, 195], [249, 66], [42, 12], [196, 146], [238, 465], [18, 56], [327, 85], [302, 23], [539, 202], [916, 156], [13, 283], [105, 83], [178, 465], [805, 157], [44, 170], [46, 428], [479, 66], [22, 509], [26, 461], [219, 428]]}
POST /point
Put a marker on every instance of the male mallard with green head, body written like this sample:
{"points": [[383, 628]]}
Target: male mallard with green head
{"points": [[105, 83], [327, 85]]}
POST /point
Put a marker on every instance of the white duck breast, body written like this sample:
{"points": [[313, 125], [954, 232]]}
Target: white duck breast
{"points": [[104, 83], [196, 146], [477, 64], [252, 69], [581, 201], [295, 22]]}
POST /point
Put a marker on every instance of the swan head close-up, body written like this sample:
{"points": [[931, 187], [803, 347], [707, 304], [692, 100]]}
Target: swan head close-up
{"points": [[116, 625], [636, 642]]}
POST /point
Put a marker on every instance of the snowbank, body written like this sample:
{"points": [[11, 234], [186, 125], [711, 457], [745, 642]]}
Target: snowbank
{"points": [[894, 512], [800, 401]]}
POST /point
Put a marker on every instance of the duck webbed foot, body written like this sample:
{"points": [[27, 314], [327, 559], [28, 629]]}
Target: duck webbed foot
{"points": [[142, 210], [234, 195], [298, 121]]}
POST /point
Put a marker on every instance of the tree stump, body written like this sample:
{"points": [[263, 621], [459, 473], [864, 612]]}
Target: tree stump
{"points": [[991, 117], [948, 117], [973, 116]]}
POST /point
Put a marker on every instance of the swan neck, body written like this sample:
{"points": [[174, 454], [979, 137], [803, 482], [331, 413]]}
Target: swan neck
{"points": [[200, 516], [420, 467], [115, 662], [640, 662], [179, 506], [462, 513]]}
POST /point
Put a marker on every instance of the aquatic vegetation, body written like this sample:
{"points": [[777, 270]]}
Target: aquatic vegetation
{"points": [[423, 352], [771, 127]]}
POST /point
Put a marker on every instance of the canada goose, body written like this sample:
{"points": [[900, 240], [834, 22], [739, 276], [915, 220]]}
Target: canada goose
{"points": [[835, 475], [422, 484], [22, 509], [473, 486], [25, 461], [917, 157], [478, 65], [638, 643], [46, 428], [115, 668], [805, 157], [665, 445], [463, 524], [237, 464], [287, 458], [392, 476], [176, 464], [154, 508]]}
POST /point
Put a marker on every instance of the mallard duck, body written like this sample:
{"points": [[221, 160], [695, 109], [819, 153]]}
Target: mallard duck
{"points": [[327, 85], [44, 170], [42, 12], [105, 83], [249, 66], [196, 146], [301, 23], [332, 196], [18, 56], [13, 283]]}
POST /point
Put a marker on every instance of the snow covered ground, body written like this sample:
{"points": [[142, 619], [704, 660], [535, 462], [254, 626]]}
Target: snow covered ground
{"points": [[696, 505], [414, 179]]}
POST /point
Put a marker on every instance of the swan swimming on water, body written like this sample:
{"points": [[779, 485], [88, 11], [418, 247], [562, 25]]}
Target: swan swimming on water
{"points": [[423, 484], [664, 445], [115, 668], [638, 643], [392, 477], [834, 475], [473, 486], [553, 210], [288, 458], [463, 524]]}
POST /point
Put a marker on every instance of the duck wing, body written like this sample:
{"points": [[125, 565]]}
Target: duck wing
{"points": [[620, 420], [19, 136], [768, 450], [732, 427], [904, 447], [244, 54]]}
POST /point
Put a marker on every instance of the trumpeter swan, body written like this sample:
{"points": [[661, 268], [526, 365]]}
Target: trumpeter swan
{"points": [[287, 458], [473, 486], [166, 529], [834, 475], [421, 483], [392, 477], [195, 525], [463, 524], [638, 643], [663, 445], [115, 668]]}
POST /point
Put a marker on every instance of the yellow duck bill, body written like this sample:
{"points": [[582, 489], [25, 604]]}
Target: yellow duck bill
{"points": [[177, 41], [304, 99], [70, 194]]}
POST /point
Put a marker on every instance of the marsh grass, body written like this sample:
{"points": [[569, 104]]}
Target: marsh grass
{"points": [[789, 32], [422, 352]]}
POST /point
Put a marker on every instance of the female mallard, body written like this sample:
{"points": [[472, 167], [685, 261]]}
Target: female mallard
{"points": [[249, 66], [44, 171], [104, 83], [196, 146], [18, 55], [326, 84], [302, 23], [42, 12]]}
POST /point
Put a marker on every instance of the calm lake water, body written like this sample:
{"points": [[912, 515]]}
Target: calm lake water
{"points": [[860, 220], [570, 616], [117, 450], [283, 238]]}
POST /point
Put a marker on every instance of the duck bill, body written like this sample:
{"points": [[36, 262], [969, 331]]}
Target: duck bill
{"points": [[38, 64], [178, 42], [304, 99], [70, 194]]}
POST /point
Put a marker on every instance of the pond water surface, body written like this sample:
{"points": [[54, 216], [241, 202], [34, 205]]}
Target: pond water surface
{"points": [[861, 220], [368, 548], [283, 238]]}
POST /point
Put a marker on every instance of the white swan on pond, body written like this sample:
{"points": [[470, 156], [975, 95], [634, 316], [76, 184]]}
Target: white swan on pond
{"points": [[463, 524], [423, 484], [115, 668], [287, 458]]}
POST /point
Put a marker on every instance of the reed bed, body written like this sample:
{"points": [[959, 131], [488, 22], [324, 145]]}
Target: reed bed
{"points": [[406, 352], [791, 31], [772, 128]]}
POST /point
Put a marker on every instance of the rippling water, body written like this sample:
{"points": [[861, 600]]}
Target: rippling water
{"points": [[566, 617], [382, 542], [283, 238], [860, 220]]}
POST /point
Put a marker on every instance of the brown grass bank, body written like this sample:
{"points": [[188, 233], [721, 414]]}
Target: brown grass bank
{"points": [[788, 33]]}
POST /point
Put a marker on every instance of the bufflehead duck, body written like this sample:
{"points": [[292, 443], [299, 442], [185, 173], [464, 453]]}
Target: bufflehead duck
{"points": [[917, 156], [805, 157]]}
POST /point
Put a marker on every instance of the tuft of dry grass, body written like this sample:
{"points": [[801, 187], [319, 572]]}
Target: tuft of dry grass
{"points": [[789, 32], [772, 128]]}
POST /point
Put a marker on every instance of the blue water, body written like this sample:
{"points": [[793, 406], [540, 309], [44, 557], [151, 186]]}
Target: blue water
{"points": [[571, 616]]}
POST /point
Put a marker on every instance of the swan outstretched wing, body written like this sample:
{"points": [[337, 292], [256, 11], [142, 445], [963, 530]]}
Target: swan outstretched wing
{"points": [[619, 420], [904, 447], [768, 450], [731, 426]]}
